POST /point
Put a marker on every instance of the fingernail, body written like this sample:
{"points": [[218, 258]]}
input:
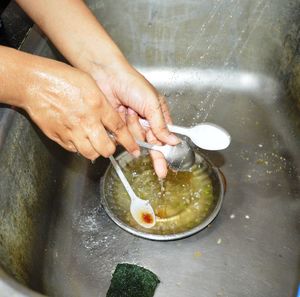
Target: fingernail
{"points": [[173, 139], [161, 172], [131, 111], [136, 153], [122, 109], [162, 175]]}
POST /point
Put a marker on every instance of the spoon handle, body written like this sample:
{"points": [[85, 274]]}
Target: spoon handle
{"points": [[122, 177], [178, 129], [140, 143], [149, 146], [172, 128], [144, 144]]}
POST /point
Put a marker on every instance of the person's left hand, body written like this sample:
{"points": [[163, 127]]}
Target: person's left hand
{"points": [[134, 97]]}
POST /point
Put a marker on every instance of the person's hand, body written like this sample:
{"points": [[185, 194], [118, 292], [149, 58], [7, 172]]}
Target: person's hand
{"points": [[70, 109], [133, 96], [97, 54]]}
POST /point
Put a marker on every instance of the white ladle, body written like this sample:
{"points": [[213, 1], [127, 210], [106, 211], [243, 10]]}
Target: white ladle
{"points": [[141, 210], [207, 136]]}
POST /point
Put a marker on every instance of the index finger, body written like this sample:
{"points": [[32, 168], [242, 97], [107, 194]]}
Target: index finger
{"points": [[157, 115], [159, 162], [113, 122]]}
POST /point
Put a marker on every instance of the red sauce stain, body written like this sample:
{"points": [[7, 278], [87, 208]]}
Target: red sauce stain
{"points": [[147, 217]]}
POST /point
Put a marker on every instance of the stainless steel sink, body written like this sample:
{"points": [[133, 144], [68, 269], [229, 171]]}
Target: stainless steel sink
{"points": [[235, 63]]}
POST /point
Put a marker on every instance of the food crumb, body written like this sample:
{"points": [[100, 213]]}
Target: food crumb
{"points": [[232, 216], [197, 254], [247, 217], [219, 241], [178, 284]]}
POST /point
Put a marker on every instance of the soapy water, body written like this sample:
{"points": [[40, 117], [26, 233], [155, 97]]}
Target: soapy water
{"points": [[181, 201]]}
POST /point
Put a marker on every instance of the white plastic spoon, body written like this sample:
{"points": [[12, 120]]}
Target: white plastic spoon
{"points": [[141, 210], [207, 136]]}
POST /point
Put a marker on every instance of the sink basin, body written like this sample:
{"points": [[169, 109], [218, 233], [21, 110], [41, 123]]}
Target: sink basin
{"points": [[234, 63]]}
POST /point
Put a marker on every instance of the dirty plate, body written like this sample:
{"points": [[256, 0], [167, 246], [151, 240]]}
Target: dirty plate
{"points": [[184, 203]]}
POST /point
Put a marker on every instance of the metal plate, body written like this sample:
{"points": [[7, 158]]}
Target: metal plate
{"points": [[214, 174]]}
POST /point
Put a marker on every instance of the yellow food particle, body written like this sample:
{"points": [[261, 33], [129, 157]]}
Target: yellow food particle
{"points": [[197, 254]]}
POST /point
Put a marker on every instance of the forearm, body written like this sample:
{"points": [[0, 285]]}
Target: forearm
{"points": [[22, 75], [12, 80], [74, 30]]}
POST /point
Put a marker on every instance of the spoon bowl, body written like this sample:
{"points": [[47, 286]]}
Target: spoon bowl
{"points": [[141, 210], [209, 136], [206, 135], [180, 157]]}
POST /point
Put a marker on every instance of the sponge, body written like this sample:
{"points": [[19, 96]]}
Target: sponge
{"points": [[130, 280]]}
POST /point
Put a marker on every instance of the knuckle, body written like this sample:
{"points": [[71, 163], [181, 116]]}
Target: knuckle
{"points": [[82, 118], [86, 77], [77, 118], [142, 134], [155, 107], [152, 139], [98, 102], [119, 127], [128, 142], [161, 129]]}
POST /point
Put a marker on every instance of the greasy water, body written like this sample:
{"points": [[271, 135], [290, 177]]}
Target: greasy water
{"points": [[182, 201]]}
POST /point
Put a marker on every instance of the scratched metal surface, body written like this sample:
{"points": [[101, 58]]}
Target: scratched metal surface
{"points": [[234, 63]]}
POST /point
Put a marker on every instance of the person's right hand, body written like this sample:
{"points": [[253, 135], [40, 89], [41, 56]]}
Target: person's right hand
{"points": [[70, 109]]}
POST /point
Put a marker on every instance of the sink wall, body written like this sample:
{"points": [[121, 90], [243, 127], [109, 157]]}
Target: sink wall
{"points": [[235, 63]]}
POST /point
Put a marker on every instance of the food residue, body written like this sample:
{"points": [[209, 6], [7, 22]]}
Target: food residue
{"points": [[197, 254], [147, 217]]}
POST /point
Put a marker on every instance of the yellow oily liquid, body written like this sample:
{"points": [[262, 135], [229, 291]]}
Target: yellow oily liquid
{"points": [[181, 201]]}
